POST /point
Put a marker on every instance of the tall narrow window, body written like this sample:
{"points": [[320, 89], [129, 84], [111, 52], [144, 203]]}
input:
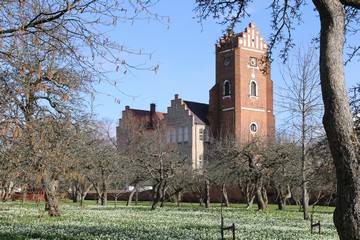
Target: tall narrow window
{"points": [[226, 88], [201, 158], [186, 134], [201, 134], [168, 137], [173, 135], [253, 89], [180, 135]]}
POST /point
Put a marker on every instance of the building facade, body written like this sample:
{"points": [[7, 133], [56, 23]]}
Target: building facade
{"points": [[133, 119], [240, 102], [189, 128]]}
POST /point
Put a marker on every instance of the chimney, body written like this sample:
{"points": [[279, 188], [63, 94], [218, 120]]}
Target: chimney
{"points": [[152, 108], [152, 116]]}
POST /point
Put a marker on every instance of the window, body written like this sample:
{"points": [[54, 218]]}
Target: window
{"points": [[186, 134], [253, 89], [253, 128], [173, 135], [201, 134], [180, 134], [201, 158], [226, 88], [168, 137]]}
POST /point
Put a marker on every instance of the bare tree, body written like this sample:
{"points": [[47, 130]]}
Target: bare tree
{"points": [[161, 161], [336, 18], [102, 161], [129, 137], [51, 54], [301, 99], [224, 165]]}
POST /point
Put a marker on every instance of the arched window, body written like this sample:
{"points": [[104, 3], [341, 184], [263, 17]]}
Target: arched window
{"points": [[226, 88], [253, 89]]}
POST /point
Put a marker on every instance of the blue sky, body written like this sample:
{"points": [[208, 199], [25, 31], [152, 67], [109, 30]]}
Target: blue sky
{"points": [[186, 56]]}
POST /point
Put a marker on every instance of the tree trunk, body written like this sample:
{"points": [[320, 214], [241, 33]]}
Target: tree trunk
{"points": [[163, 195], [8, 190], [83, 193], [249, 195], [262, 205], [98, 193], [225, 196], [305, 201], [51, 197], [136, 195], [178, 199], [130, 197], [337, 120], [264, 196], [24, 193], [207, 194], [75, 192], [157, 195], [103, 197], [283, 197]]}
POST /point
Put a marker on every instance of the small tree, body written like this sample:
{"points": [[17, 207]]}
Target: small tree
{"points": [[160, 160], [301, 99]]}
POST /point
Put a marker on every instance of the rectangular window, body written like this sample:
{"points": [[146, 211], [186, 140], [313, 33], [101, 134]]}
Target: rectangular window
{"points": [[173, 136], [201, 134], [186, 134], [180, 135], [201, 156]]}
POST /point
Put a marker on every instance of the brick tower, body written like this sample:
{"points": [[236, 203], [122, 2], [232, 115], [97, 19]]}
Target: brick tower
{"points": [[241, 101]]}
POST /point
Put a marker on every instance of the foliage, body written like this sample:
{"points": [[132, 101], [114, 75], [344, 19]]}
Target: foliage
{"points": [[96, 222]]}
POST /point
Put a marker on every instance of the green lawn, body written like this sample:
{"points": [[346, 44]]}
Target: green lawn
{"points": [[139, 222]]}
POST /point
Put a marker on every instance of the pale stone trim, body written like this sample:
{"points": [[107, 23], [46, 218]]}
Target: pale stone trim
{"points": [[228, 109], [253, 109]]}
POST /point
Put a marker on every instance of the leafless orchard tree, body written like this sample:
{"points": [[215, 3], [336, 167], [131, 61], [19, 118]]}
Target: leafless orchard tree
{"points": [[50, 158], [51, 54], [254, 166], [336, 19], [161, 161], [129, 137], [301, 100], [150, 158], [224, 165], [322, 178], [102, 162]]}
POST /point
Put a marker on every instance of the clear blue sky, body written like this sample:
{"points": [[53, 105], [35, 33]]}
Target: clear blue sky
{"points": [[186, 56]]}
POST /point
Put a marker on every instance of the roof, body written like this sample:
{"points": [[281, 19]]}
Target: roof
{"points": [[144, 113], [200, 110]]}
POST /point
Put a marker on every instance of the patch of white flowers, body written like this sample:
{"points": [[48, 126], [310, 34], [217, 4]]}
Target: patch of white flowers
{"points": [[139, 223]]}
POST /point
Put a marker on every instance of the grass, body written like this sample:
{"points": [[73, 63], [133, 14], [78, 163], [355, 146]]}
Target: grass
{"points": [[139, 222]]}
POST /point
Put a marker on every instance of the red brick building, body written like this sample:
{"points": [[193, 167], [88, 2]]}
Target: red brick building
{"points": [[240, 104], [241, 101]]}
